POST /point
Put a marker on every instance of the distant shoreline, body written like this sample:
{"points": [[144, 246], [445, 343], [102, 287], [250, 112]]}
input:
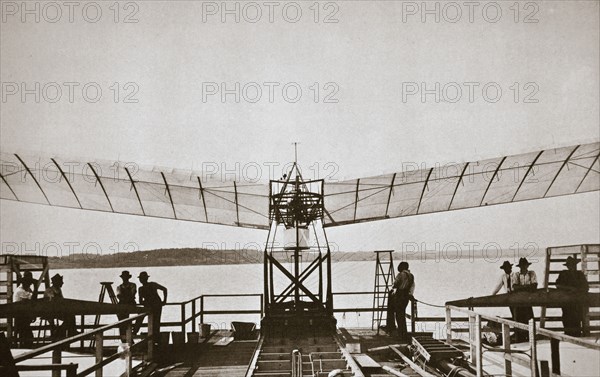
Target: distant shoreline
{"points": [[205, 257]]}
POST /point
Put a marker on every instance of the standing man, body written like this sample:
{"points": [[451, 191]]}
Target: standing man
{"points": [[404, 287], [573, 281], [126, 295], [150, 299], [23, 322], [54, 293], [504, 281], [523, 280]]}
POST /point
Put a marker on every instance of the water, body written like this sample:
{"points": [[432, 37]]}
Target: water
{"points": [[436, 283]]}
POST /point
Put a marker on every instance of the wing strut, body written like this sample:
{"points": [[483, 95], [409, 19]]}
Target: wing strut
{"points": [[10, 188], [462, 174], [356, 197], [68, 183], [559, 170], [526, 174], [136, 191], [587, 172], [492, 180], [202, 197], [32, 176], [423, 191], [237, 208], [169, 192], [102, 186], [387, 207]]}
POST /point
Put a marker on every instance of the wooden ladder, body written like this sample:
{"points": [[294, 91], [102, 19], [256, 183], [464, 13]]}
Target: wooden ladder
{"points": [[589, 255], [384, 278], [106, 289]]}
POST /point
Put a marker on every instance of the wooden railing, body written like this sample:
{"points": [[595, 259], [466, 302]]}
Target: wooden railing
{"points": [[195, 308], [476, 347], [58, 347]]}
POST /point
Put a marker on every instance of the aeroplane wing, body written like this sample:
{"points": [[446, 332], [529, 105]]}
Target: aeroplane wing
{"points": [[128, 188], [535, 175]]}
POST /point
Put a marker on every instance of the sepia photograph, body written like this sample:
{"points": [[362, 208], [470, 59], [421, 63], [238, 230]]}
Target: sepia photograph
{"points": [[240, 188]]}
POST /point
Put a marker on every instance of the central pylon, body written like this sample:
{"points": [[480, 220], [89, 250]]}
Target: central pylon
{"points": [[300, 295]]}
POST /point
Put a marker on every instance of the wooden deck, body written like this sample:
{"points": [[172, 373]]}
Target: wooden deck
{"points": [[210, 360]]}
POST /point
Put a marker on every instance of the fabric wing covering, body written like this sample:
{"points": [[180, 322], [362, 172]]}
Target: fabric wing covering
{"points": [[535, 175], [130, 188]]}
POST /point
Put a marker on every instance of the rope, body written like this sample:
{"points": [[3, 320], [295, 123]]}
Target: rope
{"points": [[428, 304]]}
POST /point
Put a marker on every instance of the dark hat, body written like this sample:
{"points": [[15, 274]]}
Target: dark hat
{"points": [[403, 266], [143, 274], [523, 262], [27, 278], [571, 261], [506, 265], [57, 277], [125, 274]]}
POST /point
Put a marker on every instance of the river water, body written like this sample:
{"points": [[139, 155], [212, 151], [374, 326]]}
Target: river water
{"points": [[436, 282]]}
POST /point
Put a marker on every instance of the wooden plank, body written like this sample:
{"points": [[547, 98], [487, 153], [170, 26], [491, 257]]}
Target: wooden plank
{"points": [[223, 342], [365, 361], [422, 372]]}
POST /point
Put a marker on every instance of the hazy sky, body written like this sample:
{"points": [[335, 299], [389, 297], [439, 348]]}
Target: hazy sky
{"points": [[365, 87]]}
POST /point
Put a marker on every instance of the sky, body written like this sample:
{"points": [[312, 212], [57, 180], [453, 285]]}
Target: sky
{"points": [[365, 87]]}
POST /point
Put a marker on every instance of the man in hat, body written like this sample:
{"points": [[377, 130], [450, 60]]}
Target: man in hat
{"points": [[126, 292], [505, 281], [23, 322], [54, 293], [55, 290], [573, 281], [400, 295], [149, 297], [523, 280]]}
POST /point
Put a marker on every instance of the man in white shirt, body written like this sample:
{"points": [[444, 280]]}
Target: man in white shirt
{"points": [[504, 280], [523, 280], [23, 322]]}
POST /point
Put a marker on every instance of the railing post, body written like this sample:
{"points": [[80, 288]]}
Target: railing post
{"points": [[478, 349], [183, 318], [129, 341], [506, 345], [533, 346], [194, 315], [555, 355], [262, 303], [150, 336], [413, 315], [99, 349], [448, 324], [472, 338], [82, 330], [201, 309], [56, 359]]}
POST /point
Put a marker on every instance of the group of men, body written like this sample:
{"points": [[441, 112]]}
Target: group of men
{"points": [[149, 298], [126, 295], [525, 280]]}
